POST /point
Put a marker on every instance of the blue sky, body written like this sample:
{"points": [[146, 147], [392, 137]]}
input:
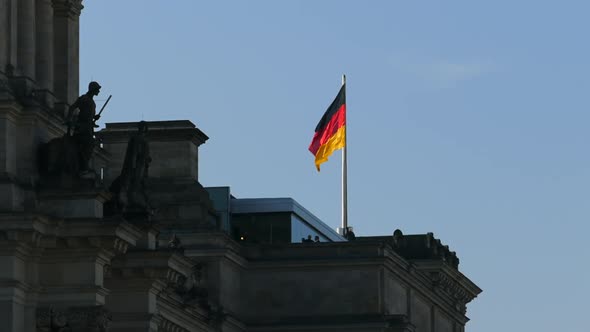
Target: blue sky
{"points": [[466, 119]]}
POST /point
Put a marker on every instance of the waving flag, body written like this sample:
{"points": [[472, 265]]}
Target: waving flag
{"points": [[330, 133]]}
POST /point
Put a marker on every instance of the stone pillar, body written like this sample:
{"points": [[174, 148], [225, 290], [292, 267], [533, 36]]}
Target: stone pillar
{"points": [[4, 41], [11, 13], [66, 18], [44, 49], [26, 38]]}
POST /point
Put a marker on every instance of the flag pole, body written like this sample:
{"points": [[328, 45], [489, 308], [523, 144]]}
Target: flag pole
{"points": [[344, 178]]}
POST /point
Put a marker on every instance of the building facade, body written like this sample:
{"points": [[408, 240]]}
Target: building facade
{"points": [[75, 256]]}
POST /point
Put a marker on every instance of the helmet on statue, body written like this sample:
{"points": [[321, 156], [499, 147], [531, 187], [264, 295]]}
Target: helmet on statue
{"points": [[93, 86]]}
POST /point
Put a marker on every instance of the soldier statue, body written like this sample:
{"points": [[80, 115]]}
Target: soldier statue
{"points": [[84, 124]]}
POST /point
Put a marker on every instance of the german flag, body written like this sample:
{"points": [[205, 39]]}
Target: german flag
{"points": [[330, 133]]}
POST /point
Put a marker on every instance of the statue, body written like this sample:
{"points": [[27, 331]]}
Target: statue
{"points": [[84, 124], [64, 159], [129, 187]]}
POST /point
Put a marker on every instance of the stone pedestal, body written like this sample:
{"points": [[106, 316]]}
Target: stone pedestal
{"points": [[179, 200], [74, 204], [175, 143]]}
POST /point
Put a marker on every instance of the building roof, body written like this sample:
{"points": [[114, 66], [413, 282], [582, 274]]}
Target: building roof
{"points": [[286, 204]]}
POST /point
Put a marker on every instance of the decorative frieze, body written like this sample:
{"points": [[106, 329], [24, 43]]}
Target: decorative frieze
{"points": [[73, 319], [443, 283], [51, 320]]}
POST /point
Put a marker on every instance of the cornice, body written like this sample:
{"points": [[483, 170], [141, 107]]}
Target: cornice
{"points": [[450, 283], [158, 131], [413, 276], [67, 8]]}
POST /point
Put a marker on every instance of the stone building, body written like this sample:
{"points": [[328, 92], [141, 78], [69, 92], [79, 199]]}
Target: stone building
{"points": [[72, 259]]}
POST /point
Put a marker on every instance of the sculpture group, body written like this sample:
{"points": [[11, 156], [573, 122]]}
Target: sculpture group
{"points": [[65, 162]]}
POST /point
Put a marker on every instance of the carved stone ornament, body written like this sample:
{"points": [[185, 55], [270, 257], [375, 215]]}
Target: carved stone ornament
{"points": [[447, 285], [74, 319], [50, 320], [191, 290]]}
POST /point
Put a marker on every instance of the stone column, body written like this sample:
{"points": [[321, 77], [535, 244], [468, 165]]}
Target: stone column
{"points": [[12, 32], [4, 41], [66, 15], [44, 50], [26, 38]]}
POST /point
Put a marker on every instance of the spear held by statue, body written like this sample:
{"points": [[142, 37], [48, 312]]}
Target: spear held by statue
{"points": [[102, 109]]}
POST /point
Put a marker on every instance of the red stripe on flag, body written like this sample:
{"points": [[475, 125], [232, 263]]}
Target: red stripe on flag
{"points": [[321, 137]]}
